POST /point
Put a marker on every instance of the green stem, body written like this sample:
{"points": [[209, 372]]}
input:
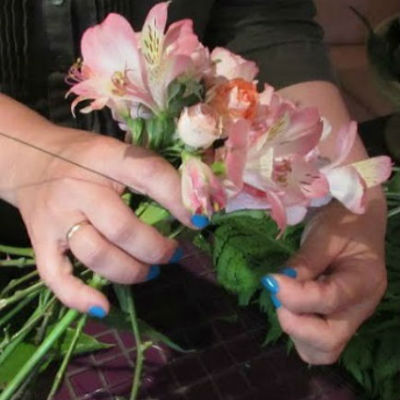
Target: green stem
{"points": [[45, 346], [393, 212], [67, 357], [17, 308], [28, 326], [177, 231], [16, 282], [19, 262], [139, 346], [17, 251], [20, 294], [41, 351], [41, 331]]}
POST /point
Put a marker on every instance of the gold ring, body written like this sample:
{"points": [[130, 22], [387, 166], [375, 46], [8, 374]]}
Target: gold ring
{"points": [[74, 228]]}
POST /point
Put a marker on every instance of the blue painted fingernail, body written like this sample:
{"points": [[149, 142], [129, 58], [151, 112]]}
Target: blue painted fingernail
{"points": [[154, 271], [97, 312], [200, 221], [288, 271], [270, 283], [275, 301], [176, 257]]}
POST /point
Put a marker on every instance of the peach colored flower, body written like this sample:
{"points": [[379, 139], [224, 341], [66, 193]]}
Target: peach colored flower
{"points": [[199, 126], [235, 99]]}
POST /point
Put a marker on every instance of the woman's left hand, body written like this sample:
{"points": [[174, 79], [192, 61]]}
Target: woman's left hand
{"points": [[341, 277]]}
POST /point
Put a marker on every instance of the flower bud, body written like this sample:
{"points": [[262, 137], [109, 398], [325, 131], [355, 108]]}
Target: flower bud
{"points": [[198, 126]]}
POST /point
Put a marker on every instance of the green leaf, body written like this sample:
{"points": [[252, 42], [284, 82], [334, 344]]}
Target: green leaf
{"points": [[245, 249], [160, 130], [155, 336], [202, 243], [136, 128], [151, 213], [14, 362]]}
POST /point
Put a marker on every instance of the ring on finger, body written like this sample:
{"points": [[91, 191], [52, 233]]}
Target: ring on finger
{"points": [[75, 228]]}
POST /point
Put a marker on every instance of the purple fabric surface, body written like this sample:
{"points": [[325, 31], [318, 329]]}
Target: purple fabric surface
{"points": [[229, 362]]}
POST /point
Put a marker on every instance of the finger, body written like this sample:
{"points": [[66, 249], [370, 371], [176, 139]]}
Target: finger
{"points": [[319, 340], [120, 226], [101, 256], [155, 177], [314, 255], [56, 271], [345, 286]]}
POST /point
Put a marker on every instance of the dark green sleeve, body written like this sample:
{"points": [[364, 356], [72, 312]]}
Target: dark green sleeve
{"points": [[280, 35]]}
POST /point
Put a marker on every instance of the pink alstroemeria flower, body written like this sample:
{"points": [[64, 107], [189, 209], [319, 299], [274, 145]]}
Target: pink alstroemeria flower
{"points": [[169, 55], [270, 171], [109, 54], [348, 183], [228, 66], [126, 70], [202, 192]]}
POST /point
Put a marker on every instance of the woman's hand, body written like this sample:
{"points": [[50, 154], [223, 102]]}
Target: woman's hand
{"points": [[340, 278], [54, 195]]}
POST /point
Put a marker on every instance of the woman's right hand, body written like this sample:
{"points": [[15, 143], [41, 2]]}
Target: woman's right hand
{"points": [[53, 195]]}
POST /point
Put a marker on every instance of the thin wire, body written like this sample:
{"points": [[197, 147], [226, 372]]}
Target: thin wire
{"points": [[50, 153]]}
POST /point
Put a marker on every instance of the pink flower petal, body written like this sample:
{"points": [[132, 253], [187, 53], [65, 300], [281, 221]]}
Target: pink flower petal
{"points": [[344, 143], [236, 152], [232, 66], [295, 214], [110, 47], [374, 170], [301, 135], [180, 38], [311, 182], [278, 212], [347, 186], [245, 201]]}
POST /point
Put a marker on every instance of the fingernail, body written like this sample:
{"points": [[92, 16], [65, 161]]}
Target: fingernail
{"points": [[275, 301], [154, 271], [270, 283], [288, 271], [176, 257], [97, 312], [200, 221]]}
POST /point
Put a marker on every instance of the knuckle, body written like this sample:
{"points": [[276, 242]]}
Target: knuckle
{"points": [[120, 232], [329, 305], [287, 327], [333, 344], [328, 358], [93, 254], [161, 253], [155, 169]]}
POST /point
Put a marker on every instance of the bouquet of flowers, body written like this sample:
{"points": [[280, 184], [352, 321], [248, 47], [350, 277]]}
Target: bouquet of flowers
{"points": [[236, 148]]}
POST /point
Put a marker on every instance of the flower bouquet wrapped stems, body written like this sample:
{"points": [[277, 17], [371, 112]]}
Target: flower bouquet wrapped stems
{"points": [[249, 160]]}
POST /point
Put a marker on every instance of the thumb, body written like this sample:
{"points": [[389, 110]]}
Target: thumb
{"points": [[320, 247]]}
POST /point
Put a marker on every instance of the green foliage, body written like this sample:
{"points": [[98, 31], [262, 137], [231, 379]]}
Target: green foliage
{"points": [[183, 92], [14, 362], [245, 248]]}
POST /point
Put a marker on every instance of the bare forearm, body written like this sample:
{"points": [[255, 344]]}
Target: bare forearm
{"points": [[16, 159]]}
